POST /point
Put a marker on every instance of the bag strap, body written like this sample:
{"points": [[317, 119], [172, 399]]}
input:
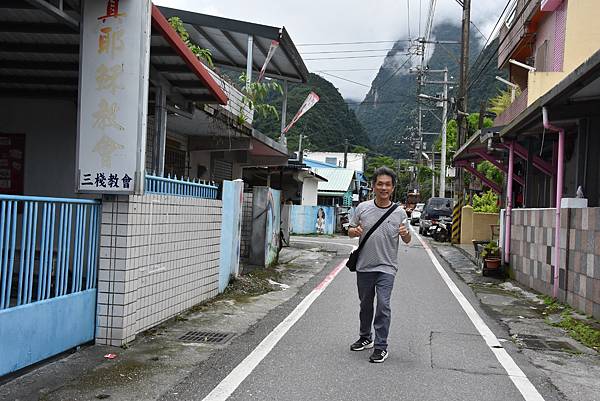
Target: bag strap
{"points": [[368, 234]]}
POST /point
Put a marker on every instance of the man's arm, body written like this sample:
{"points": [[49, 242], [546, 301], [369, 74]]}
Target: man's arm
{"points": [[355, 229], [404, 232]]}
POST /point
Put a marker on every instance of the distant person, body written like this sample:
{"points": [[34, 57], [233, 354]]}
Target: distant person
{"points": [[377, 263]]}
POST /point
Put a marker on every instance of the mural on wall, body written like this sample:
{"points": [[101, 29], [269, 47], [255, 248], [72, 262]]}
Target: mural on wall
{"points": [[312, 219], [266, 223], [320, 221], [273, 212]]}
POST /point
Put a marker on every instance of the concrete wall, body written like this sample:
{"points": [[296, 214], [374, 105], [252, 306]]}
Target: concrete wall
{"points": [[309, 191], [532, 254], [231, 230], [50, 128], [159, 255], [266, 219], [305, 219], [476, 226]]}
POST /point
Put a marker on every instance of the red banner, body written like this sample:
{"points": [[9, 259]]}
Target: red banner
{"points": [[274, 46], [309, 102]]}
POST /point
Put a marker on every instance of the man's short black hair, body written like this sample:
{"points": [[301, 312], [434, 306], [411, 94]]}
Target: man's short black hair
{"points": [[383, 170]]}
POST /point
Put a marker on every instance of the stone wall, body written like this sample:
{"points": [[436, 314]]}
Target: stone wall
{"points": [[532, 254], [159, 255]]}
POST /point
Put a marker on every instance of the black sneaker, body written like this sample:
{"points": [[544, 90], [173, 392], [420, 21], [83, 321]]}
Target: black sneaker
{"points": [[361, 344], [378, 356]]}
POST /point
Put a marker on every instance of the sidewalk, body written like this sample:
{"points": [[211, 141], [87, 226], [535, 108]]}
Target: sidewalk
{"points": [[573, 368], [160, 358]]}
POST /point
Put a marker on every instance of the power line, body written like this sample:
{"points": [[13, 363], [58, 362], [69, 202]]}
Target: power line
{"points": [[496, 52], [352, 43], [408, 17], [345, 79], [344, 58], [492, 32], [357, 69], [350, 51], [394, 73]]}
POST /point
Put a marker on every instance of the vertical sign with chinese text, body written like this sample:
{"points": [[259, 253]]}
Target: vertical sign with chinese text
{"points": [[113, 91]]}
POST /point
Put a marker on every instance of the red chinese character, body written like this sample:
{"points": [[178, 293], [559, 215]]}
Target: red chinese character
{"points": [[112, 10]]}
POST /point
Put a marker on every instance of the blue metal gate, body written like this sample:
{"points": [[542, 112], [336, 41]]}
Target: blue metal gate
{"points": [[48, 268]]}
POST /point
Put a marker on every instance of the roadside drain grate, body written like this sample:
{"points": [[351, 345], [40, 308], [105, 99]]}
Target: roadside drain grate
{"points": [[535, 342], [206, 337]]}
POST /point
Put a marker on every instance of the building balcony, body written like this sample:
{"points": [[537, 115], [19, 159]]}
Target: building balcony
{"points": [[236, 104], [517, 31], [516, 107]]}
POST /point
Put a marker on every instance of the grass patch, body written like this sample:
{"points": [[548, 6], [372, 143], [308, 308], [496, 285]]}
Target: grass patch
{"points": [[580, 330], [250, 285], [552, 305]]}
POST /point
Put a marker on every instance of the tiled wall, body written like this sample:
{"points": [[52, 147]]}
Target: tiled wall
{"points": [[246, 226], [159, 255], [532, 254]]}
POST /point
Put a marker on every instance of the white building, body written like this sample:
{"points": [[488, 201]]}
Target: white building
{"points": [[356, 161]]}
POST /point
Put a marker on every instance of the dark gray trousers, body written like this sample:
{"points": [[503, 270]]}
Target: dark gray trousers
{"points": [[369, 285]]}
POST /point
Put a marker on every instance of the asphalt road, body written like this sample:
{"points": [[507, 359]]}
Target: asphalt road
{"points": [[436, 352]]}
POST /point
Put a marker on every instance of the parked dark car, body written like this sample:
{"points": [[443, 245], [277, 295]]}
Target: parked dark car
{"points": [[434, 209]]}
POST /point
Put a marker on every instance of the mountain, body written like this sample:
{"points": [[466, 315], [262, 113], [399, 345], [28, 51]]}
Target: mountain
{"points": [[389, 111], [325, 126]]}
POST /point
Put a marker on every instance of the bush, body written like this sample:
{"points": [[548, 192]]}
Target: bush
{"points": [[486, 203]]}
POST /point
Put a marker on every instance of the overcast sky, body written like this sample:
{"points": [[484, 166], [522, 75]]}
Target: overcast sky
{"points": [[327, 21]]}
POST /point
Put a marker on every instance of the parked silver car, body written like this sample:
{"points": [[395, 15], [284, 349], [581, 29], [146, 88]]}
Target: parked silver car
{"points": [[416, 214]]}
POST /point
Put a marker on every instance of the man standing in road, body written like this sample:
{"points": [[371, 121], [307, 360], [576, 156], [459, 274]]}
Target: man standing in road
{"points": [[378, 262]]}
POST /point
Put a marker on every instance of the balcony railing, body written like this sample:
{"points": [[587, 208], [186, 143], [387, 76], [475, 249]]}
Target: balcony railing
{"points": [[236, 104], [516, 107], [180, 187], [513, 36]]}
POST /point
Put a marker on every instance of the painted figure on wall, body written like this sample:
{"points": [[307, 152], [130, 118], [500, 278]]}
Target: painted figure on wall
{"points": [[321, 220]]}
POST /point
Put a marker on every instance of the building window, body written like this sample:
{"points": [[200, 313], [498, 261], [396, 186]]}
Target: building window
{"points": [[331, 160]]}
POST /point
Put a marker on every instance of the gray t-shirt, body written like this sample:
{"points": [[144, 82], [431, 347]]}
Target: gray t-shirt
{"points": [[380, 253]]}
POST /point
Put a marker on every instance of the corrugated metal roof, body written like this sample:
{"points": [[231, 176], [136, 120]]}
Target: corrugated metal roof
{"points": [[338, 179]]}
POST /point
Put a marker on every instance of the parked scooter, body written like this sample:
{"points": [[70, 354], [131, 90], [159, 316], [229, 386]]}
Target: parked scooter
{"points": [[440, 230], [345, 222]]}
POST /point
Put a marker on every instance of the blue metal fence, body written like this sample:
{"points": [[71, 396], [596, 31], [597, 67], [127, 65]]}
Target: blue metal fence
{"points": [[180, 187], [48, 248]]}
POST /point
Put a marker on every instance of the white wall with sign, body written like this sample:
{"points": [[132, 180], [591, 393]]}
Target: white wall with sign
{"points": [[113, 93]]}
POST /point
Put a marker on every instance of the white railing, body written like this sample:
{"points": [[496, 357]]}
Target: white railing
{"points": [[236, 104]]}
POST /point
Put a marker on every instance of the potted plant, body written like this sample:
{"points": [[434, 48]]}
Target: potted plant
{"points": [[491, 256]]}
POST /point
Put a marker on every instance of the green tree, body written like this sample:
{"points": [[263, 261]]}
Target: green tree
{"points": [[491, 172], [486, 202]]}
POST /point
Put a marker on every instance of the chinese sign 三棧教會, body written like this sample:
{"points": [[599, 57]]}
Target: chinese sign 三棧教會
{"points": [[113, 93]]}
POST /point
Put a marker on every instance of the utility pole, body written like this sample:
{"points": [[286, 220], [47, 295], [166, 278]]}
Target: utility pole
{"points": [[300, 155], [462, 92], [444, 117], [345, 153], [420, 133]]}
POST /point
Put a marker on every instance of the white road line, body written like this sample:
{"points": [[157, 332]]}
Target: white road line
{"points": [[527, 390], [228, 385]]}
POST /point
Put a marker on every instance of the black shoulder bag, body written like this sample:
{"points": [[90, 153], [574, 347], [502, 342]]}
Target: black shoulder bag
{"points": [[353, 258]]}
